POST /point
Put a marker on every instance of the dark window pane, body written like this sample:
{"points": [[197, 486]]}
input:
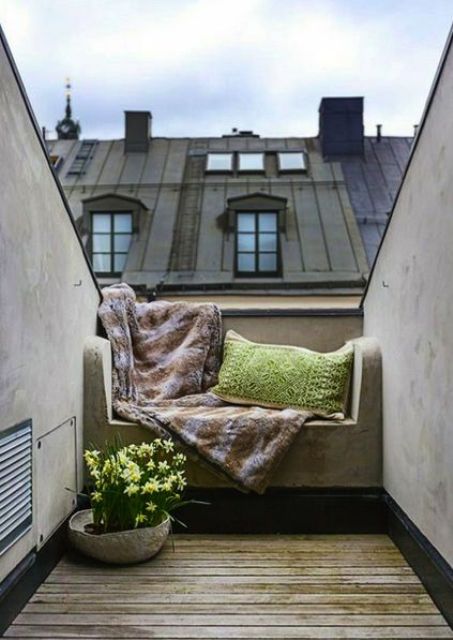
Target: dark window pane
{"points": [[267, 262], [122, 242], [267, 242], [268, 222], [246, 262], [119, 262], [246, 222], [123, 222], [101, 222], [246, 242], [101, 262], [101, 243]]}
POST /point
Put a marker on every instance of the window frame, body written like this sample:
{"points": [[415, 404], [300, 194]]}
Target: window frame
{"points": [[112, 234], [256, 252], [299, 153]]}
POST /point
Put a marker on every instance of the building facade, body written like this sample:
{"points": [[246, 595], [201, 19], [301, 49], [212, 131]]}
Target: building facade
{"points": [[237, 214]]}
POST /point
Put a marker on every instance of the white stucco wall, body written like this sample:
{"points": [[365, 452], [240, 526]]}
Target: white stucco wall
{"points": [[409, 308], [44, 317]]}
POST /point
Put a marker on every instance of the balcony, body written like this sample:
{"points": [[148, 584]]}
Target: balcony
{"points": [[353, 539], [232, 586]]}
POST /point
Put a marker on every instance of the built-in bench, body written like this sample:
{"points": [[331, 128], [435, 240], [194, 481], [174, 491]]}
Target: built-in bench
{"points": [[325, 454]]}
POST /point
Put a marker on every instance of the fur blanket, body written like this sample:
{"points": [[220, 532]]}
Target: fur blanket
{"points": [[166, 356]]}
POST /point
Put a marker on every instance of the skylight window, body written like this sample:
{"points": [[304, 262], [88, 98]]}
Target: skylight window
{"points": [[251, 162], [291, 161], [220, 162]]}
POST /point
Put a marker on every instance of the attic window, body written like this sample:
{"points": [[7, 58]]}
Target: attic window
{"points": [[251, 162], [220, 162], [111, 237], [257, 245], [291, 161]]}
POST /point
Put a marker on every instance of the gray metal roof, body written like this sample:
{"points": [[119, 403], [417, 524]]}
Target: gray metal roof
{"points": [[179, 238], [372, 182]]}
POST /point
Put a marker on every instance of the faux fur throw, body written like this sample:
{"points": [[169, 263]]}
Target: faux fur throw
{"points": [[166, 356]]}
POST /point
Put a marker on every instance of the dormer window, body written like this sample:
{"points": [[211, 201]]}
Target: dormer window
{"points": [[110, 220], [251, 162], [291, 161], [110, 240], [222, 162], [257, 244]]}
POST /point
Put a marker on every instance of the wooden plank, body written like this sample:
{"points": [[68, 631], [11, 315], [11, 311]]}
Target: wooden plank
{"points": [[265, 555], [185, 563], [239, 587], [338, 578], [150, 571], [231, 632], [249, 598], [242, 620], [222, 608], [231, 587], [199, 540]]}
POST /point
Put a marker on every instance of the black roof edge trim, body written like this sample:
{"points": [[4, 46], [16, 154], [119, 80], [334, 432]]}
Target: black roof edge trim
{"points": [[292, 313], [37, 129], [354, 287], [421, 126]]}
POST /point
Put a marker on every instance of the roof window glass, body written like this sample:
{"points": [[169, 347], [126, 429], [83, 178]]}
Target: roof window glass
{"points": [[220, 162], [251, 162], [291, 161]]}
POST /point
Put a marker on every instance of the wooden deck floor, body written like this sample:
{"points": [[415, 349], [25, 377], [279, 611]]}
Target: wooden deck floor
{"points": [[239, 587]]}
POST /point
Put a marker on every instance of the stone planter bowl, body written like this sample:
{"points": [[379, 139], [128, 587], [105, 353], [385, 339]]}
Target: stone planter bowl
{"points": [[122, 547]]}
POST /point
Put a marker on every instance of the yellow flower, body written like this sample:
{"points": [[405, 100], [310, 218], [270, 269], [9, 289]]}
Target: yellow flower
{"points": [[91, 458], [150, 506], [151, 465], [123, 458], [140, 519], [168, 445], [132, 472], [150, 487], [131, 489], [163, 466], [96, 497]]}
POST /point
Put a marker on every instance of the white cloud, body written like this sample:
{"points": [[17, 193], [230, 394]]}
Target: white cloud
{"points": [[204, 66]]}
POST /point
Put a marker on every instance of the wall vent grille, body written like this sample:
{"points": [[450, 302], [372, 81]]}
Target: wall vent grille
{"points": [[15, 483]]}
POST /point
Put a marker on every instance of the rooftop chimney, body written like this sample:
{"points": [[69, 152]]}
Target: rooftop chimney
{"points": [[378, 132], [137, 131], [341, 126]]}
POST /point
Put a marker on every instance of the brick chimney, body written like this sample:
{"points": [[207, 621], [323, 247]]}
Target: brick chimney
{"points": [[137, 131], [341, 126]]}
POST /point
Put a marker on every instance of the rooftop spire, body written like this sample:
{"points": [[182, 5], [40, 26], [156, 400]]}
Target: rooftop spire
{"points": [[68, 99], [68, 129]]}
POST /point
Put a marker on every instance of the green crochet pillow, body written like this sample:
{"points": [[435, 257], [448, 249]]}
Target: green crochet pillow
{"points": [[278, 376]]}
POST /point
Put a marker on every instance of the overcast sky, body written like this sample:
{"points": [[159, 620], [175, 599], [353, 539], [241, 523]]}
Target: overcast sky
{"points": [[205, 66]]}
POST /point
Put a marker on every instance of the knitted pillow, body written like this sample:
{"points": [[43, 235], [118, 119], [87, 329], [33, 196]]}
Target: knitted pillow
{"points": [[278, 376]]}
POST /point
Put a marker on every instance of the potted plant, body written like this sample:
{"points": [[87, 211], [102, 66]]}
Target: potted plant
{"points": [[135, 490]]}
